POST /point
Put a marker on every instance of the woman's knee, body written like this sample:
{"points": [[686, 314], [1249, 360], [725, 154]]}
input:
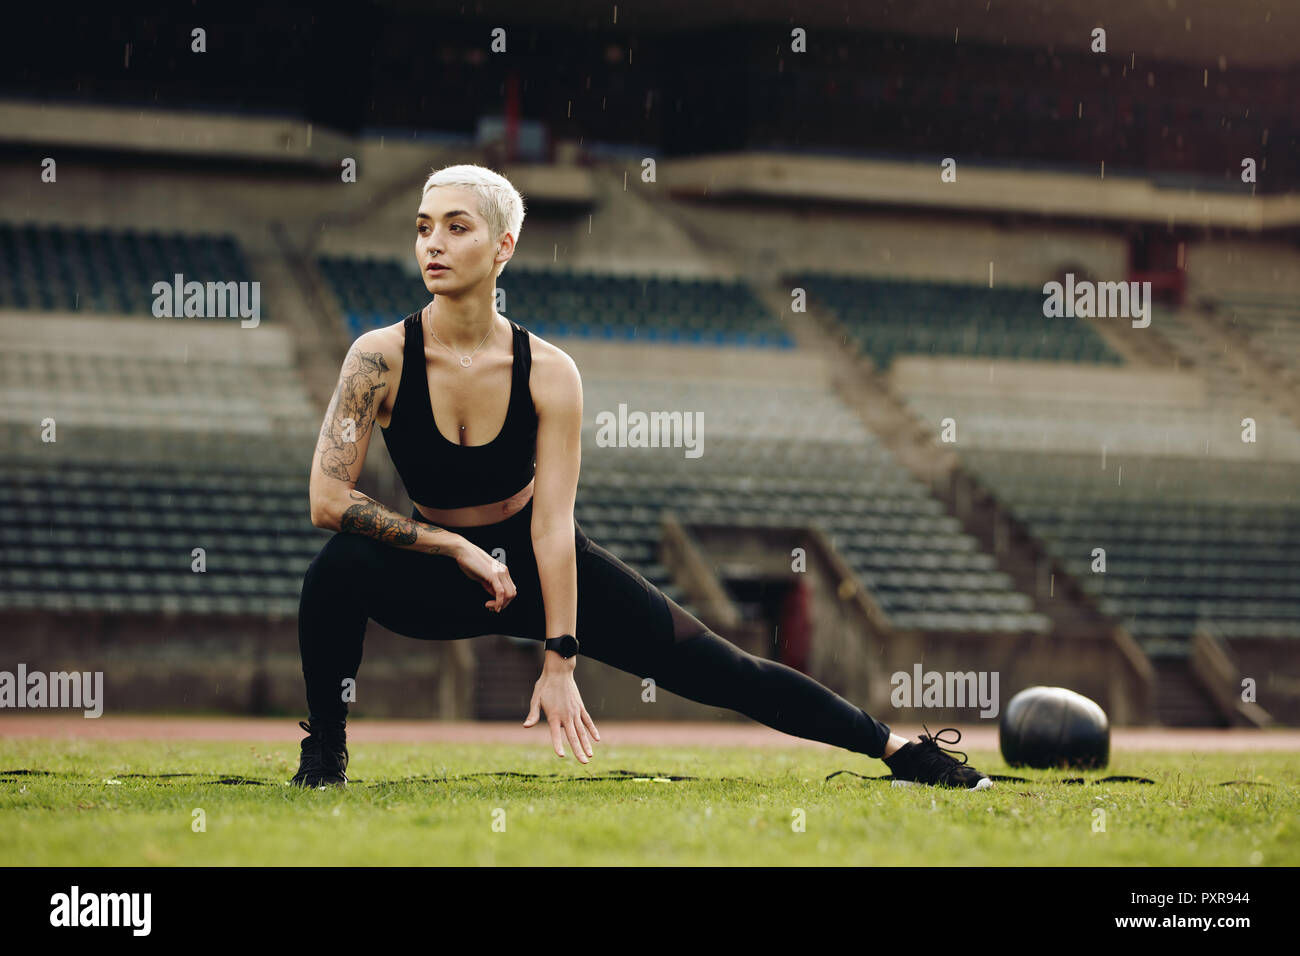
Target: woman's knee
{"points": [[685, 625]]}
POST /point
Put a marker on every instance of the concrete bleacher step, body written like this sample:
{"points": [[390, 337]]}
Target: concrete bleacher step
{"points": [[1180, 699], [504, 674]]}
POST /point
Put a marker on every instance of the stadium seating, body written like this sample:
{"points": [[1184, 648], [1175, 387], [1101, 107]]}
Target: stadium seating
{"points": [[887, 317], [51, 267], [564, 302], [1180, 551], [1271, 321], [1197, 525], [198, 439], [778, 454], [91, 523]]}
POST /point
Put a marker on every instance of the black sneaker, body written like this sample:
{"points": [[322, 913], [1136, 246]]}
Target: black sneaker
{"points": [[925, 762], [324, 757]]}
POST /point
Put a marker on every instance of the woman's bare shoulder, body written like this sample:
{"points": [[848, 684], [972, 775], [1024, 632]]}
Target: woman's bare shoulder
{"points": [[382, 350], [554, 374], [388, 341]]}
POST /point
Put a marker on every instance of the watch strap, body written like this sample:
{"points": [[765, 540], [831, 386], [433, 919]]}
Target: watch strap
{"points": [[566, 645]]}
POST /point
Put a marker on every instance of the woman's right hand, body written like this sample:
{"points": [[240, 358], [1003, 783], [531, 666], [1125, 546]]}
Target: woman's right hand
{"points": [[489, 572]]}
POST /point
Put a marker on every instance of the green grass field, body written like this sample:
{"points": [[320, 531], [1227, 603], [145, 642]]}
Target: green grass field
{"points": [[71, 815]]}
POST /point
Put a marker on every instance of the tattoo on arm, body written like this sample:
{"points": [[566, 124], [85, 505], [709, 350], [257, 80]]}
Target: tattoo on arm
{"points": [[351, 414], [370, 518]]}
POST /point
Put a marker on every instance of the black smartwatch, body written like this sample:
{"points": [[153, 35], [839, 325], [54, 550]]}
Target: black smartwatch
{"points": [[566, 645]]}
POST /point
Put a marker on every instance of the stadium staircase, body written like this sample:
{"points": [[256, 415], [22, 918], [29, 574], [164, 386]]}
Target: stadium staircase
{"points": [[302, 297], [1181, 698], [1260, 342], [1018, 553]]}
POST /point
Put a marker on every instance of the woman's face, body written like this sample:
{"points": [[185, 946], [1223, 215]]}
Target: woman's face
{"points": [[450, 232]]}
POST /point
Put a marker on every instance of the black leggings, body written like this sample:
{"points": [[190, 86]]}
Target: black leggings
{"points": [[623, 621]]}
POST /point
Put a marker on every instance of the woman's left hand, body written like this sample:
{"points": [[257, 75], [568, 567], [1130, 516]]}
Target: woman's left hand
{"points": [[557, 693]]}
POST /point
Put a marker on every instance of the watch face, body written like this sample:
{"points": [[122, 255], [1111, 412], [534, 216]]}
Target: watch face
{"points": [[566, 646]]}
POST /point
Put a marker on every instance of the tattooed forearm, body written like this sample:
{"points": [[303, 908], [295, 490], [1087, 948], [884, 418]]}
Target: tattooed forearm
{"points": [[370, 518], [351, 413], [375, 521]]}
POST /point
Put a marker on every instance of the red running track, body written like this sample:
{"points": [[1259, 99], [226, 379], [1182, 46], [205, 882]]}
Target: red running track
{"points": [[626, 733]]}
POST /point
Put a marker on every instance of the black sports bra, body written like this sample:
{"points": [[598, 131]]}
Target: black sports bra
{"points": [[440, 474]]}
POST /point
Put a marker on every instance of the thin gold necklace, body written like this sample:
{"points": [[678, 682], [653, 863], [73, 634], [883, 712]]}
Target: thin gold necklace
{"points": [[465, 360]]}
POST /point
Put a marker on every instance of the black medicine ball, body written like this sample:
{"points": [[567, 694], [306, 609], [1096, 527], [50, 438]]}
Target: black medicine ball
{"points": [[1054, 727]]}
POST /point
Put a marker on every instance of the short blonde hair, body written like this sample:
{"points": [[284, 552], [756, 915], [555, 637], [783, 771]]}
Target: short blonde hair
{"points": [[498, 201]]}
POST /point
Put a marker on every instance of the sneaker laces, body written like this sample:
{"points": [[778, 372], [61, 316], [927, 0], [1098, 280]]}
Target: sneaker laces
{"points": [[314, 750], [931, 755]]}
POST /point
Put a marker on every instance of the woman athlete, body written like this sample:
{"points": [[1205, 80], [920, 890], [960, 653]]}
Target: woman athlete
{"points": [[483, 422]]}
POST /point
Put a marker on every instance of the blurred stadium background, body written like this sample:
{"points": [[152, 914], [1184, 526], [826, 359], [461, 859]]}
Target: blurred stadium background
{"points": [[773, 171]]}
